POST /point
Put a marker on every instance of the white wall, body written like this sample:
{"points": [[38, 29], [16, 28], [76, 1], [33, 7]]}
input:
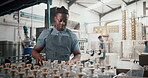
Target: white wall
{"points": [[117, 15], [138, 8]]}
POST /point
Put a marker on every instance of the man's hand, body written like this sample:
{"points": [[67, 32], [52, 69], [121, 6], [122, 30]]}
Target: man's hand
{"points": [[39, 59], [77, 56], [35, 54]]}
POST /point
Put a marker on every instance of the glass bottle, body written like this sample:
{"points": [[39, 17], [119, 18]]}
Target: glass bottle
{"points": [[7, 65], [19, 68], [30, 76], [72, 73], [21, 74], [44, 69], [13, 73], [13, 66], [45, 63], [52, 65], [80, 75], [6, 71], [29, 65], [44, 74], [61, 69], [92, 74], [35, 72], [55, 71], [22, 64], [36, 67], [80, 69], [1, 70], [56, 76], [27, 70], [66, 74], [86, 66]]}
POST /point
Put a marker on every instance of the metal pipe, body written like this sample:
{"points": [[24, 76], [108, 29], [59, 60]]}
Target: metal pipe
{"points": [[7, 2], [48, 15], [31, 23], [19, 33]]}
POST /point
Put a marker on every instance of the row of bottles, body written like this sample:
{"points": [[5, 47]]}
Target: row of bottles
{"points": [[53, 70]]}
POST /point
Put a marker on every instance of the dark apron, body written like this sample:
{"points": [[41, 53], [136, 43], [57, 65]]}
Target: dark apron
{"points": [[104, 53], [58, 47]]}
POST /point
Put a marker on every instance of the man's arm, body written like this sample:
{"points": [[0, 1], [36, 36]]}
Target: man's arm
{"points": [[77, 56], [36, 54], [39, 46]]}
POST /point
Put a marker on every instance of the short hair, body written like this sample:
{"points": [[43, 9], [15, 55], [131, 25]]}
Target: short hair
{"points": [[62, 10], [99, 37]]}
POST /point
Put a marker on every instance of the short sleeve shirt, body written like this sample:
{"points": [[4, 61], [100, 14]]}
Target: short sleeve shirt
{"points": [[41, 41]]}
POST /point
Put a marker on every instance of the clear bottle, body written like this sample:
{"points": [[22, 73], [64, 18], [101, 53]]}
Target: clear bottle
{"points": [[80, 75], [36, 67], [66, 74], [54, 71], [6, 71], [7, 65], [52, 65], [55, 64], [22, 64], [44, 74], [49, 63], [86, 68], [61, 69], [13, 66], [96, 66], [45, 63], [92, 74], [44, 69], [19, 68], [21, 74], [72, 73], [27, 70], [31, 76], [56, 76], [1, 70], [29, 65], [101, 71], [79, 70], [35, 73], [13, 73]]}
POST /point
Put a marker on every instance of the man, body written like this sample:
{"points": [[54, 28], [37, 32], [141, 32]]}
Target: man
{"points": [[59, 42], [102, 48]]}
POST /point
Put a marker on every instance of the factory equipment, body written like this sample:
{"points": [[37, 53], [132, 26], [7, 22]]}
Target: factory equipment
{"points": [[28, 43], [133, 24], [123, 23], [7, 48], [82, 43]]}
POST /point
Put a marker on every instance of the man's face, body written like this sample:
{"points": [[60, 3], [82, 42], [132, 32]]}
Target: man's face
{"points": [[100, 39], [60, 21]]}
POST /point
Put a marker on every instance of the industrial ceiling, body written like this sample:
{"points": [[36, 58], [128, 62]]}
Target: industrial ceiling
{"points": [[102, 7]]}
